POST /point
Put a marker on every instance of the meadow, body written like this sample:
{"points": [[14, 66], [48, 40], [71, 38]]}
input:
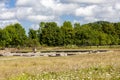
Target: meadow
{"points": [[103, 66]]}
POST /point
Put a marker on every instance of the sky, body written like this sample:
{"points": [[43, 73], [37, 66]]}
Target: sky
{"points": [[29, 13]]}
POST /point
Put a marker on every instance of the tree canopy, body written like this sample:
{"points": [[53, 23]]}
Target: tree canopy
{"points": [[50, 34]]}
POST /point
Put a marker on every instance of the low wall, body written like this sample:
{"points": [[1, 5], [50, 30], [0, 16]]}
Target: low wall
{"points": [[55, 53]]}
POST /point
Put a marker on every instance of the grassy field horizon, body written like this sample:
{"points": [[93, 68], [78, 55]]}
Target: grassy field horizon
{"points": [[69, 47]]}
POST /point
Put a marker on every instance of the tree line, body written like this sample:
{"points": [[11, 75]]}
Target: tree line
{"points": [[98, 33]]}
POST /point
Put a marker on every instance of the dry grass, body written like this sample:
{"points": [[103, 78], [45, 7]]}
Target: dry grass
{"points": [[14, 66]]}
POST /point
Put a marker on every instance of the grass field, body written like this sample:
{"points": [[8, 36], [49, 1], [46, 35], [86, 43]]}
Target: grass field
{"points": [[103, 66], [69, 47]]}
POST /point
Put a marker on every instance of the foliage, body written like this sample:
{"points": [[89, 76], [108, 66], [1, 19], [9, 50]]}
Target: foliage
{"points": [[13, 35], [50, 34], [32, 40], [68, 33]]}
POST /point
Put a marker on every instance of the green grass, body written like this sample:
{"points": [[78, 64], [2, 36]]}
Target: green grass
{"points": [[47, 48], [92, 73]]}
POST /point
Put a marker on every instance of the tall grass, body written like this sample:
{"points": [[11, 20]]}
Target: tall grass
{"points": [[103, 66], [92, 73]]}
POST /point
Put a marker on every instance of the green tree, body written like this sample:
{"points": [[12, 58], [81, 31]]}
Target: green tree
{"points": [[4, 38], [21, 33], [51, 34], [117, 30], [33, 38], [16, 34], [76, 25], [68, 33], [32, 34]]}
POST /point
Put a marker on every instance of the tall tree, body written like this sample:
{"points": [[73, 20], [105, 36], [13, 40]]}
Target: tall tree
{"points": [[50, 34], [68, 33], [4, 38], [16, 34], [33, 40], [32, 34]]}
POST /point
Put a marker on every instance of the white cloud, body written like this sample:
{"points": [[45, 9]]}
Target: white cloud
{"points": [[62, 9], [117, 6], [25, 2], [43, 10], [49, 3], [85, 11], [23, 12], [4, 23], [85, 1], [38, 18], [2, 5], [7, 15]]}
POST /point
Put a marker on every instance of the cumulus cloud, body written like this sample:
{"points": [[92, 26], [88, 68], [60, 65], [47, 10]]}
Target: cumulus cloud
{"points": [[117, 6], [49, 3], [23, 12], [46, 10], [36, 18], [84, 11], [2, 5], [7, 15], [25, 2], [43, 10], [4, 23], [85, 1]]}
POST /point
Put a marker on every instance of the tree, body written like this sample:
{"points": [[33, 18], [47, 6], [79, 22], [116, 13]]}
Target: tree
{"points": [[32, 34], [117, 30], [76, 25], [33, 38], [102, 38], [16, 34], [20, 31], [68, 33], [4, 38], [77, 38], [50, 34]]}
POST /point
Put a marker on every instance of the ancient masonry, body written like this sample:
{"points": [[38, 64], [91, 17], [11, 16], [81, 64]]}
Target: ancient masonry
{"points": [[54, 53]]}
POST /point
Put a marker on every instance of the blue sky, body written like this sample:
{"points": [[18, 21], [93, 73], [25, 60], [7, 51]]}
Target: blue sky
{"points": [[30, 13], [11, 3]]}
